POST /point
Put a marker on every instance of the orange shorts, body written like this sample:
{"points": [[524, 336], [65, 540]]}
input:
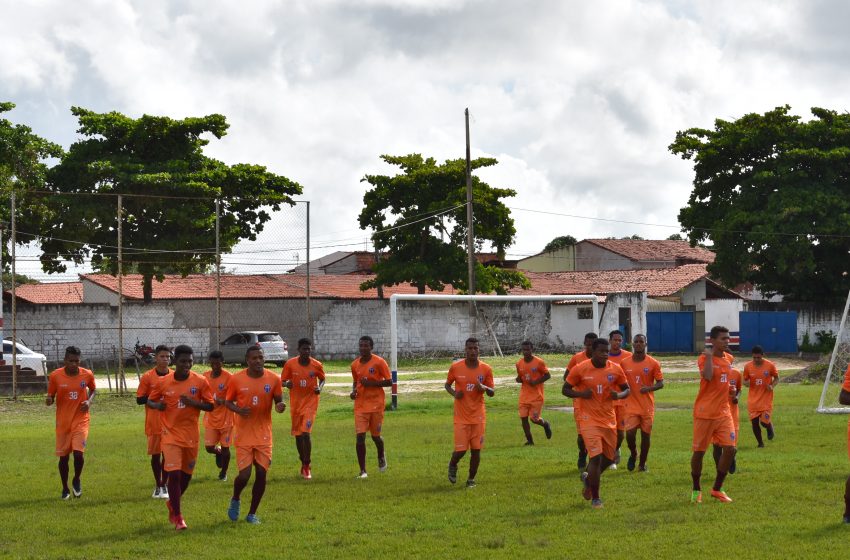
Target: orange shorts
{"points": [[599, 441], [532, 410], [642, 421], [179, 458], [302, 423], [763, 415], [369, 421], [719, 431], [213, 436], [155, 444], [620, 411], [71, 441], [249, 455], [469, 436]]}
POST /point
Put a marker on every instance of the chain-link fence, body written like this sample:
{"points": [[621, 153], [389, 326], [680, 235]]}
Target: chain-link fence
{"points": [[119, 275]]}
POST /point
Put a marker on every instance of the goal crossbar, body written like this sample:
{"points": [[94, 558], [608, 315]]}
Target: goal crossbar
{"points": [[395, 298]]}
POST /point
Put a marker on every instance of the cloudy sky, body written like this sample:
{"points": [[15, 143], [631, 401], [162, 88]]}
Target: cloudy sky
{"points": [[577, 100]]}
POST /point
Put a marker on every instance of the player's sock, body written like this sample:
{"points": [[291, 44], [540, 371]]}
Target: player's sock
{"points": [[185, 479], [361, 454], [307, 443], [474, 461], [379, 447], [757, 431], [594, 491], [79, 462], [526, 429], [63, 473], [769, 428], [695, 479], [847, 500], [644, 448], [225, 460], [547, 429], [299, 444], [258, 490], [156, 467], [174, 482], [718, 481]]}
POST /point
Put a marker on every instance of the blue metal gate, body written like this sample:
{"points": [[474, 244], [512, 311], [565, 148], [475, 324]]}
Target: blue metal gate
{"points": [[670, 331], [775, 331]]}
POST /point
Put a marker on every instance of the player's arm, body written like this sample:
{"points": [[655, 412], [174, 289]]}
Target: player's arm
{"points": [[659, 384], [279, 405], [480, 387], [86, 404], [451, 390], [569, 391], [543, 379], [775, 381], [707, 370], [624, 392], [154, 404], [319, 386], [51, 392], [231, 405], [196, 403]]}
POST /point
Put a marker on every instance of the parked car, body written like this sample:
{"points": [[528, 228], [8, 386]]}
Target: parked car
{"points": [[25, 357], [274, 347]]}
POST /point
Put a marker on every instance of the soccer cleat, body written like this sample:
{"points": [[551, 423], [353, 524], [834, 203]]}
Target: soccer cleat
{"points": [[382, 463], [548, 429], [222, 476], [363, 474], [642, 468], [66, 494], [582, 461], [596, 503], [470, 483], [171, 517], [770, 432], [733, 467], [163, 492], [696, 497], [253, 519], [630, 464], [452, 473], [721, 496], [156, 492], [760, 445], [586, 492], [528, 444], [77, 488], [233, 510], [307, 474], [180, 523], [612, 467]]}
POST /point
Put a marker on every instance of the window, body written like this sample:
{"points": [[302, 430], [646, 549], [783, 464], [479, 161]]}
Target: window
{"points": [[269, 337], [585, 313], [235, 339]]}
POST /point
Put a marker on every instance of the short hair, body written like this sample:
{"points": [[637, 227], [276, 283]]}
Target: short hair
{"points": [[182, 350], [252, 348], [527, 343], [72, 351], [162, 348], [717, 330], [616, 331], [368, 339], [470, 340], [757, 349], [216, 355], [303, 341], [591, 336], [599, 342], [635, 337]]}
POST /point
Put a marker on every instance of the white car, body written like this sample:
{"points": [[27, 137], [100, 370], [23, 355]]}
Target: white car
{"points": [[25, 357]]}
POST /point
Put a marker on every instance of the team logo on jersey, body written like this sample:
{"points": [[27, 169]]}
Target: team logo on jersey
{"points": [[193, 390], [312, 374], [732, 436], [221, 386], [267, 388], [646, 370], [309, 423], [766, 374], [481, 379], [83, 383], [610, 378], [534, 369], [371, 370]]}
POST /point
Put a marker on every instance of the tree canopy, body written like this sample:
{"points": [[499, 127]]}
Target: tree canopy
{"points": [[772, 193], [170, 188], [560, 242], [419, 220]]}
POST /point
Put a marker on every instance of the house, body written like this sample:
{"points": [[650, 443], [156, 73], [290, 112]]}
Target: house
{"points": [[363, 262]]}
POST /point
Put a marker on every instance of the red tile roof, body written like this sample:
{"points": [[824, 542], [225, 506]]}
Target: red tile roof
{"points": [[55, 293], [659, 250]]}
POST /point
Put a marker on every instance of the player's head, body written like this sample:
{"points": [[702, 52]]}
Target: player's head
{"points": [[527, 348], [615, 338], [305, 347], [639, 343], [470, 348], [365, 345], [758, 354], [72, 360], [255, 358], [719, 337], [162, 356], [183, 358], [216, 360], [599, 348], [588, 340]]}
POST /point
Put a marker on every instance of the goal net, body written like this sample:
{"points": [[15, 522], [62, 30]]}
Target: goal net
{"points": [[838, 363]]}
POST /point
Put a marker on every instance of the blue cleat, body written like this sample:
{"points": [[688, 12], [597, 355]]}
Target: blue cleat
{"points": [[252, 519], [233, 510]]}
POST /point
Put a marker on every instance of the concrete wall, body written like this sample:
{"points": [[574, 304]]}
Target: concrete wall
{"points": [[593, 257], [567, 329], [636, 301], [562, 260]]}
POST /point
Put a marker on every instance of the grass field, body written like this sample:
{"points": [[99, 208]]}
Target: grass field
{"points": [[788, 496]]}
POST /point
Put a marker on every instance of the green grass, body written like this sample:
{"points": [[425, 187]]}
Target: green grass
{"points": [[788, 497]]}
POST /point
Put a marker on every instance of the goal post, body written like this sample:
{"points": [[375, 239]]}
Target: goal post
{"points": [[396, 298], [838, 363]]}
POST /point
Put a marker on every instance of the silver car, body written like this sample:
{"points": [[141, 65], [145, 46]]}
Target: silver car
{"points": [[25, 357], [274, 347]]}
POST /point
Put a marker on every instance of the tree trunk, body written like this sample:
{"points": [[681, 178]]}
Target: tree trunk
{"points": [[147, 287]]}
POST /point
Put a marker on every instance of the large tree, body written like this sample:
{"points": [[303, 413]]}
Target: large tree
{"points": [[772, 193], [560, 242], [419, 220], [169, 186]]}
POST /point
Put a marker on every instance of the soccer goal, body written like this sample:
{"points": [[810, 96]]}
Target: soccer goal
{"points": [[427, 328], [838, 363]]}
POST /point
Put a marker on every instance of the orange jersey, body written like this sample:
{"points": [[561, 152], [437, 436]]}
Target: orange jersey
{"points": [[531, 371], [370, 399], [599, 409], [760, 396], [180, 421], [305, 379], [641, 374], [220, 417], [713, 397], [150, 379], [257, 394], [618, 359], [69, 392], [470, 408], [574, 361]]}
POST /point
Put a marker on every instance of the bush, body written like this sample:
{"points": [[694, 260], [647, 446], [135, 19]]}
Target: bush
{"points": [[824, 345]]}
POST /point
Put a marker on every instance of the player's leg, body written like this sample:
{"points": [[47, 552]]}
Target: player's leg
{"points": [[63, 475], [474, 461], [536, 418], [724, 436], [728, 453], [847, 501], [631, 442], [307, 445], [461, 441], [716, 453], [526, 428], [225, 462], [258, 489], [701, 441], [79, 463], [361, 452], [644, 449], [767, 422], [376, 425], [757, 431]]}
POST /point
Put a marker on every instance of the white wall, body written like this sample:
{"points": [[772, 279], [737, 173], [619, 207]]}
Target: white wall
{"points": [[567, 328]]}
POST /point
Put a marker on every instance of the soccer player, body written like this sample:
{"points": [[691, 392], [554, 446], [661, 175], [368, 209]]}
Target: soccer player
{"points": [[468, 380], [153, 428], [304, 376], [250, 395], [218, 424], [370, 374], [72, 389], [712, 416], [844, 398], [574, 361], [616, 354], [644, 376], [761, 377], [596, 381], [180, 397], [532, 372]]}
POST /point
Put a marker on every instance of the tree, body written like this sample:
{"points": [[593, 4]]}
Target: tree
{"points": [[676, 237], [772, 193], [170, 188], [419, 220], [634, 236], [22, 170], [560, 242]]}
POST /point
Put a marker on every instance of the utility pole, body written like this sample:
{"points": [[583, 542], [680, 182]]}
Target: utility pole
{"points": [[470, 233]]}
